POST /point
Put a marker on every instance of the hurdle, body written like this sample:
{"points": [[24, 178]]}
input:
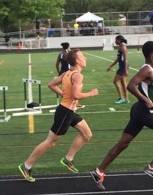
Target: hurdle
{"points": [[34, 109], [5, 117], [38, 82]]}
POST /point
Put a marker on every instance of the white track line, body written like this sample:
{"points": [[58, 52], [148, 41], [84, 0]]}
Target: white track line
{"points": [[95, 112], [87, 176], [73, 177], [106, 59], [22, 109], [103, 192], [100, 112]]}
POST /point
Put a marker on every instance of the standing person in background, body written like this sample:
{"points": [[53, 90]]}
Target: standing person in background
{"points": [[141, 86], [7, 39], [71, 81], [122, 72], [61, 62], [76, 28]]}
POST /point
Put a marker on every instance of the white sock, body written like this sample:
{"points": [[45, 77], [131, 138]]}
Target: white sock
{"points": [[27, 166], [69, 159], [150, 167], [99, 173]]}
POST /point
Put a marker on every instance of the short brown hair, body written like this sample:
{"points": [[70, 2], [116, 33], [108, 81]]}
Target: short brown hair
{"points": [[71, 57]]}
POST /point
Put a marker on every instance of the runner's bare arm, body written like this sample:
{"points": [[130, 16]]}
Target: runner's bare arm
{"points": [[77, 80]]}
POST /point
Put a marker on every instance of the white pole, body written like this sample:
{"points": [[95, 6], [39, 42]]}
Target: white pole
{"points": [[31, 116], [30, 98]]}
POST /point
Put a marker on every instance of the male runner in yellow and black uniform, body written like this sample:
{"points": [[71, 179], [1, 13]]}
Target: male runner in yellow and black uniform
{"points": [[65, 116]]}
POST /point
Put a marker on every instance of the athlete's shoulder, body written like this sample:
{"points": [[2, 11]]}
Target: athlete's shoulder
{"points": [[147, 66]]}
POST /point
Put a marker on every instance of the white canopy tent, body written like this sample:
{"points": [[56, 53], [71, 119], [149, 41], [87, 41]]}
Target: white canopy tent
{"points": [[88, 17]]}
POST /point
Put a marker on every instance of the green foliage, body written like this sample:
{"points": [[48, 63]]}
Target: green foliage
{"points": [[19, 11], [81, 6], [25, 12]]}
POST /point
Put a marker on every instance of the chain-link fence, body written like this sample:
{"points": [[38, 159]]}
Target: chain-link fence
{"points": [[113, 23]]}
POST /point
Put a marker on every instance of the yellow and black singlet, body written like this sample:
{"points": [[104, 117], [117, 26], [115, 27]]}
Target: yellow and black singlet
{"points": [[68, 101]]}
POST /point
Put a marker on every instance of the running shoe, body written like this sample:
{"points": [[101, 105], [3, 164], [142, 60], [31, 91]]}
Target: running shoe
{"points": [[120, 101], [69, 165], [127, 101], [149, 171], [26, 173], [98, 179]]}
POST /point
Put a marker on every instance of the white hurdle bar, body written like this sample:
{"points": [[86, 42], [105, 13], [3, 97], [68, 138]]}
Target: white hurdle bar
{"points": [[22, 109], [26, 111], [34, 110], [5, 117]]}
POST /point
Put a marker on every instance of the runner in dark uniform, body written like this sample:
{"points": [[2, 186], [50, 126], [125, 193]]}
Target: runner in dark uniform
{"points": [[141, 86], [122, 66], [61, 63], [122, 72]]}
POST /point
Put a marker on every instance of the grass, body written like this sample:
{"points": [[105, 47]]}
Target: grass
{"points": [[16, 143]]}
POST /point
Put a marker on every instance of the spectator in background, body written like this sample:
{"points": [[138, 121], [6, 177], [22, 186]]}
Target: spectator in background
{"points": [[7, 39], [76, 28], [151, 22], [69, 31], [151, 19], [100, 27], [37, 28]]}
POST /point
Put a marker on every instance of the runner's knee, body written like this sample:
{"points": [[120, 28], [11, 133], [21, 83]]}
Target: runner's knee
{"points": [[50, 143], [88, 136], [124, 144]]}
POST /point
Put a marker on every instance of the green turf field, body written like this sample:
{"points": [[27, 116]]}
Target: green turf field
{"points": [[15, 141]]}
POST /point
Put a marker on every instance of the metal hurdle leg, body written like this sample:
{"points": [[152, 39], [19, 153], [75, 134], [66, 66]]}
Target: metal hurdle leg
{"points": [[39, 89], [5, 117], [25, 95], [38, 82]]}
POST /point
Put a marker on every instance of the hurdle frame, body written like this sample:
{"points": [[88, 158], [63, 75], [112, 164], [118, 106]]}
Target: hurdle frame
{"points": [[19, 111], [29, 111], [25, 81], [6, 117]]}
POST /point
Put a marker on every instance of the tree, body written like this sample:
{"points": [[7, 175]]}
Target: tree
{"points": [[19, 11]]}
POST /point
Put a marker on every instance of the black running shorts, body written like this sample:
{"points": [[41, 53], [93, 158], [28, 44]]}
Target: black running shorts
{"points": [[140, 116], [64, 118]]}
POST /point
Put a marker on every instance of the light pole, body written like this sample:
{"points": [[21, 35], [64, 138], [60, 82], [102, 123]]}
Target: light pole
{"points": [[62, 15]]}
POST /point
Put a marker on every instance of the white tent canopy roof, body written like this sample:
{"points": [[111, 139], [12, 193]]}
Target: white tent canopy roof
{"points": [[88, 17]]}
